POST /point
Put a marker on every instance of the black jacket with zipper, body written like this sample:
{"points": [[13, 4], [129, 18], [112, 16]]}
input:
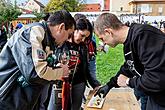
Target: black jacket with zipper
{"points": [[144, 51]]}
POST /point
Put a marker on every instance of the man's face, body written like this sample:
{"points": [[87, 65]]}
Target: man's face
{"points": [[107, 38], [61, 35], [80, 35]]}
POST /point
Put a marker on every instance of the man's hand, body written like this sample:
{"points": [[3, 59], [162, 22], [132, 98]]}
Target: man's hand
{"points": [[66, 70], [96, 89], [102, 90], [121, 81]]}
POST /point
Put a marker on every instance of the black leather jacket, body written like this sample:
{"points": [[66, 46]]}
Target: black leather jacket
{"points": [[15, 61]]}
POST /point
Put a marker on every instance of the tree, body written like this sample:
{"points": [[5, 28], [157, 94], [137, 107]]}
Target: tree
{"points": [[8, 13], [39, 16], [70, 5]]}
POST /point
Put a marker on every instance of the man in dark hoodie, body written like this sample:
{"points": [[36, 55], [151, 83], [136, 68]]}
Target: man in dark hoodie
{"points": [[144, 52]]}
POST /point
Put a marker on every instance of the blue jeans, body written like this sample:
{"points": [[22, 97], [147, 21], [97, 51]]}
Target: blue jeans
{"points": [[92, 69], [55, 102], [142, 97], [77, 93], [151, 105]]}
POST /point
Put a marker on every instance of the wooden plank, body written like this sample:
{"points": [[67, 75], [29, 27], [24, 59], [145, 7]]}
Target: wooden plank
{"points": [[117, 99]]}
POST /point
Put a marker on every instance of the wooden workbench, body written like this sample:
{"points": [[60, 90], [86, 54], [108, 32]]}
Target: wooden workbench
{"points": [[117, 99]]}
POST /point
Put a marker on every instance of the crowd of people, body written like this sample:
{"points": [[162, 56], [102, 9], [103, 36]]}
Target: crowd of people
{"points": [[157, 24], [61, 50]]}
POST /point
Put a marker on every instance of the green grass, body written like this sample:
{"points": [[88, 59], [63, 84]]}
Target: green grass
{"points": [[109, 63]]}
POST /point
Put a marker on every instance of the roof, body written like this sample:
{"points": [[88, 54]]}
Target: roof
{"points": [[27, 16], [26, 11], [92, 7], [39, 3], [135, 1]]}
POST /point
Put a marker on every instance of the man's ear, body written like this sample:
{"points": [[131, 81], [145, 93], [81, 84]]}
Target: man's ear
{"points": [[61, 27], [108, 30]]}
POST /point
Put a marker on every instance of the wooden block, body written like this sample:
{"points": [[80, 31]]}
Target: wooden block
{"points": [[117, 99]]}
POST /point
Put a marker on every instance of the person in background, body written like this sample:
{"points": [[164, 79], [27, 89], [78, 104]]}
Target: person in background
{"points": [[29, 62], [46, 16], [11, 28], [3, 37], [79, 16], [19, 26], [144, 54]]}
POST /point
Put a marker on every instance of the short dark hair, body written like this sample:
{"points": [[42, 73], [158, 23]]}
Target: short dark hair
{"points": [[79, 16], [46, 16], [82, 24], [61, 16], [107, 20]]}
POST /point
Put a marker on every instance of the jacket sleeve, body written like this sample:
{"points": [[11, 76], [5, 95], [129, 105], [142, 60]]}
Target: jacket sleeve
{"points": [[92, 74], [151, 52], [123, 70], [27, 51], [85, 58], [38, 54]]}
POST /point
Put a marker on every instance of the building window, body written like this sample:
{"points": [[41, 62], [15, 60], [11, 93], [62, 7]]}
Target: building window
{"points": [[121, 8], [150, 9], [139, 8], [145, 8], [160, 9], [134, 9]]}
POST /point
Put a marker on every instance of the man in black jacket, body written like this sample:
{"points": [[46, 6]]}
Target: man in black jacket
{"points": [[144, 52]]}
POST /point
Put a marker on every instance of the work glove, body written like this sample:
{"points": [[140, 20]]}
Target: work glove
{"points": [[103, 90]]}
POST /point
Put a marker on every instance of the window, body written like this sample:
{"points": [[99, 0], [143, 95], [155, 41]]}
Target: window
{"points": [[160, 9], [145, 8], [121, 8]]}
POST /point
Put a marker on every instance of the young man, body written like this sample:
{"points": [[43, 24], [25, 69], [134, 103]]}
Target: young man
{"points": [[144, 52], [28, 62]]}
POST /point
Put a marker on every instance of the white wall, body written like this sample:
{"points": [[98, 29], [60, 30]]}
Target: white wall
{"points": [[116, 4], [90, 15], [153, 18], [34, 6]]}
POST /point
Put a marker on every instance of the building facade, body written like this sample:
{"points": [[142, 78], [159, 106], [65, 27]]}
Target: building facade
{"points": [[91, 8], [34, 5], [120, 6], [96, 5], [148, 7]]}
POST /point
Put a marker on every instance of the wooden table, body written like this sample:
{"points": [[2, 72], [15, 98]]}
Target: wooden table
{"points": [[117, 99]]}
